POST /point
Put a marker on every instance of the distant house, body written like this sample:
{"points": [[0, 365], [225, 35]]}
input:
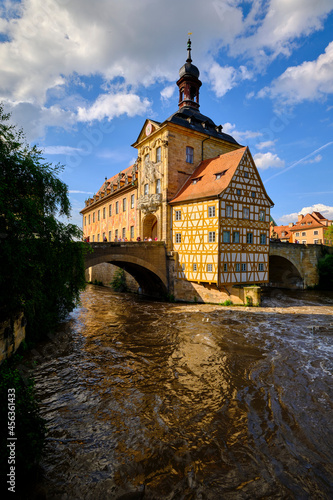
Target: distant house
{"points": [[309, 229]]}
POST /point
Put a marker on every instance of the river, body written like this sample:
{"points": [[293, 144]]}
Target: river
{"points": [[169, 401]]}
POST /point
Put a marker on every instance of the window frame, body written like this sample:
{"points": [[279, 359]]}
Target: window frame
{"points": [[189, 154], [211, 236]]}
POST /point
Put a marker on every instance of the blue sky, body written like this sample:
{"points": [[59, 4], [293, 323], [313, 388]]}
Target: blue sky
{"points": [[81, 77]]}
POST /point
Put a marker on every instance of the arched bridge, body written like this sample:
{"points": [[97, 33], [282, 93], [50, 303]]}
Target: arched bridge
{"points": [[145, 261], [294, 265], [291, 265]]}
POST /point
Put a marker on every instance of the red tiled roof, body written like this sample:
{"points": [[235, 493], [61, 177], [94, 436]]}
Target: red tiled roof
{"points": [[279, 230], [308, 222], [114, 179], [209, 185]]}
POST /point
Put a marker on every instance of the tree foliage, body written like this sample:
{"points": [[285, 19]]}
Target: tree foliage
{"points": [[325, 269], [328, 234], [42, 264]]}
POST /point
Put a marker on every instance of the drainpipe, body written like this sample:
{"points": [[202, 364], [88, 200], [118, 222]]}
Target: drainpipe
{"points": [[202, 147]]}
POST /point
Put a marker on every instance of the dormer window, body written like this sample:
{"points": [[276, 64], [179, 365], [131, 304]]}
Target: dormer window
{"points": [[218, 175], [196, 179]]}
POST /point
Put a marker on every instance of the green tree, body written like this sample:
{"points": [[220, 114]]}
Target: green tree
{"points": [[42, 264], [328, 235], [325, 268]]}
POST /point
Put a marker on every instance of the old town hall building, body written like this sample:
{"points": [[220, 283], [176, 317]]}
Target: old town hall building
{"points": [[195, 188]]}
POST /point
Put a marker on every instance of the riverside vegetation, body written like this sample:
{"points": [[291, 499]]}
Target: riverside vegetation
{"points": [[42, 273]]}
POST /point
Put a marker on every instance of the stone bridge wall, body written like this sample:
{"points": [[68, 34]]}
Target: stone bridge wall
{"points": [[304, 257]]}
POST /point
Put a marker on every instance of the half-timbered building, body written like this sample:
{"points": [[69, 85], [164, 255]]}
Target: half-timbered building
{"points": [[195, 188]]}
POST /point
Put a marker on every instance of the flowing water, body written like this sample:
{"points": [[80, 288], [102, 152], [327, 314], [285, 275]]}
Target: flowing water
{"points": [[184, 401]]}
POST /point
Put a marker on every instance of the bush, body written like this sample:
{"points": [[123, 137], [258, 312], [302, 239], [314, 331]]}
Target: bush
{"points": [[29, 428], [325, 269], [119, 281]]}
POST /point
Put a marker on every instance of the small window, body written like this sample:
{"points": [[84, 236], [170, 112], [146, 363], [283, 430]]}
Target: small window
{"points": [[117, 207], [124, 233], [297, 234], [194, 266], [132, 232], [226, 237], [85, 221], [238, 192], [261, 267], [110, 236], [211, 236], [229, 211], [89, 219], [263, 239], [104, 237], [178, 237], [209, 268], [196, 180], [146, 189], [249, 238], [99, 215], [189, 154], [132, 201], [218, 175], [93, 238], [158, 154], [98, 237], [246, 213], [315, 233], [253, 194], [243, 267], [178, 215], [304, 233], [235, 237], [116, 235], [211, 211], [124, 204], [110, 211], [158, 186], [262, 215], [225, 267], [237, 267], [246, 174], [94, 217], [283, 234], [104, 212], [304, 242], [315, 242], [309, 223]]}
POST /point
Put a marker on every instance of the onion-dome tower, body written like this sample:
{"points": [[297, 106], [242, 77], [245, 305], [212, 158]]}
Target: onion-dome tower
{"points": [[189, 83]]}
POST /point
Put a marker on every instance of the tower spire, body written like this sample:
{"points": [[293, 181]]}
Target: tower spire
{"points": [[189, 82]]}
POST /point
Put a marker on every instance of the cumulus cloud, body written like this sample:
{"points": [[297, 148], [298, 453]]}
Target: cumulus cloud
{"points": [[325, 210], [271, 28], [265, 144], [111, 105], [268, 160], [230, 128], [168, 92], [224, 78], [310, 81]]}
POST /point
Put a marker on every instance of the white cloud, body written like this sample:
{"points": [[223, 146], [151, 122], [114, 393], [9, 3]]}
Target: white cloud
{"points": [[271, 28], [111, 105], [267, 160], [224, 78], [325, 210], [230, 128], [74, 191], [310, 81], [316, 159], [60, 150], [266, 144], [168, 92]]}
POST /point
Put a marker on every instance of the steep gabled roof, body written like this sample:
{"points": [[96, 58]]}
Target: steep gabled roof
{"points": [[308, 222], [208, 184]]}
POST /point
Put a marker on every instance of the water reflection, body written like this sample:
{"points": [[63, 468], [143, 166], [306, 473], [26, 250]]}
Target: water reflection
{"points": [[190, 402]]}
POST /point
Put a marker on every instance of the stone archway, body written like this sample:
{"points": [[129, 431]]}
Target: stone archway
{"points": [[283, 273], [149, 227]]}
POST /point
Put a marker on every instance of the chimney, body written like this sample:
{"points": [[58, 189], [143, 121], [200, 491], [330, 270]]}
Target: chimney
{"points": [[300, 217], [290, 224]]}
